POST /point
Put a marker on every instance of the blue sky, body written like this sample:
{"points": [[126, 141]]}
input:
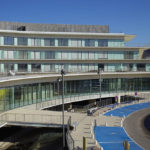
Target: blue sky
{"points": [[128, 16]]}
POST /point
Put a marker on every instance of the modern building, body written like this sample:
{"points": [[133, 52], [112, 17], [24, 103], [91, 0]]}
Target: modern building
{"points": [[32, 56]]}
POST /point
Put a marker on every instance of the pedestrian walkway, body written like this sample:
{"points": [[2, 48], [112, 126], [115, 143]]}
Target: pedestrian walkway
{"points": [[127, 110], [111, 138]]}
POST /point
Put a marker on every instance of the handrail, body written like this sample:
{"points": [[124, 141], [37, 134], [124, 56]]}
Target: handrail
{"points": [[32, 118]]}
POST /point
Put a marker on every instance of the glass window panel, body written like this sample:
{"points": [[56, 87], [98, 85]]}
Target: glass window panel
{"points": [[76, 43], [62, 42], [85, 55], [90, 43], [32, 55], [49, 42], [49, 55], [37, 55], [36, 67], [10, 54], [20, 54], [35, 93], [5, 54], [59, 55], [17, 96], [91, 55], [37, 42], [22, 68], [30, 94], [64, 55], [46, 68], [8, 40], [22, 41], [102, 43], [32, 41]]}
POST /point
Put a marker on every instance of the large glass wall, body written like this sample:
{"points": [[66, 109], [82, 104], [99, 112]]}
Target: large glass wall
{"points": [[69, 55], [71, 42], [73, 67], [22, 95]]}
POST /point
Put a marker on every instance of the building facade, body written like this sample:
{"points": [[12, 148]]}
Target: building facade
{"points": [[29, 50]]}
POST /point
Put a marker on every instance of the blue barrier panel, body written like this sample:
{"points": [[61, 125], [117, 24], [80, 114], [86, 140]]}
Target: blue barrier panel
{"points": [[127, 110], [111, 138]]}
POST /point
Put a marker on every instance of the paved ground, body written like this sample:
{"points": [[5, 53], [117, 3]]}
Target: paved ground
{"points": [[111, 138], [127, 110], [134, 127]]}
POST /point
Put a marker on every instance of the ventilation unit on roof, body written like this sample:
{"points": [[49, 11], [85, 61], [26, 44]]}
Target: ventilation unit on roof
{"points": [[21, 28]]}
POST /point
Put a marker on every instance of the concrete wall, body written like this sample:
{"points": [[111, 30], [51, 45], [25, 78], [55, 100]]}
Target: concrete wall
{"points": [[55, 27]]}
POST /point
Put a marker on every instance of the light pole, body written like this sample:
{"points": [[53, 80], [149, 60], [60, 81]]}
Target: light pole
{"points": [[99, 73], [62, 74]]}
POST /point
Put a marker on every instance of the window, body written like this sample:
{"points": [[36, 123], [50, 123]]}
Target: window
{"points": [[35, 42], [36, 68], [49, 55], [22, 41], [20, 54], [37, 54], [102, 43], [64, 55], [76, 43], [49, 42], [90, 43], [22, 68], [46, 68], [8, 40], [62, 42], [128, 55], [10, 55]]}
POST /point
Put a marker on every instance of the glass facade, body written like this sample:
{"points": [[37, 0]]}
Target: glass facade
{"points": [[73, 67], [38, 41], [22, 95], [69, 55]]}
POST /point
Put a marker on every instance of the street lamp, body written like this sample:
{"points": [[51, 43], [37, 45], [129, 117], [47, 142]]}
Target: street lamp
{"points": [[62, 74], [99, 73]]}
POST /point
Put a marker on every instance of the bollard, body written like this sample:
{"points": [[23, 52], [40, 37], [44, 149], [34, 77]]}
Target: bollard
{"points": [[126, 145], [84, 143], [121, 122]]}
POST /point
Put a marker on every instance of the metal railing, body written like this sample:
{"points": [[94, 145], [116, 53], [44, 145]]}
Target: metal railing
{"points": [[69, 139]]}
